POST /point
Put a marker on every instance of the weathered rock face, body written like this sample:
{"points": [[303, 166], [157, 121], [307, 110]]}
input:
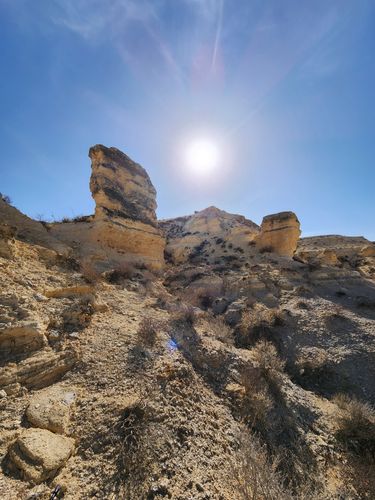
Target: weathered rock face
{"points": [[124, 228], [15, 222], [279, 233], [209, 235], [121, 187]]}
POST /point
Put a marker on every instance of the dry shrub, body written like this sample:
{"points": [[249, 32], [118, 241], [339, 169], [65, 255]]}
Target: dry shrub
{"points": [[185, 316], [78, 316], [313, 366], [203, 295], [256, 401], [267, 249], [89, 272], [220, 329], [258, 323], [355, 423], [123, 271], [255, 474], [268, 360], [147, 332], [135, 453]]}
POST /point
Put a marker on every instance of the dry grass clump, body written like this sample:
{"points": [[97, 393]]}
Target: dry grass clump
{"points": [[255, 474], [256, 402], [147, 332], [123, 271], [89, 272], [266, 249], [267, 358], [258, 323], [313, 366], [186, 315], [355, 423], [203, 295], [220, 329]]}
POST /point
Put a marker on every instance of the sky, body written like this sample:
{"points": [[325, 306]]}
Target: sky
{"points": [[285, 90]]}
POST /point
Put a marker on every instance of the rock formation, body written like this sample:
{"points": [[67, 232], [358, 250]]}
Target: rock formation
{"points": [[279, 233], [210, 234], [235, 351], [121, 187], [124, 228], [38, 454]]}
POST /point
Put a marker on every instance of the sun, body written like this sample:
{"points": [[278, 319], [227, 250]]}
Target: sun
{"points": [[202, 156]]}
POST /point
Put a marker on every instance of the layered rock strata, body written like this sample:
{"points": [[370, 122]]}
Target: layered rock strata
{"points": [[124, 228], [279, 233]]}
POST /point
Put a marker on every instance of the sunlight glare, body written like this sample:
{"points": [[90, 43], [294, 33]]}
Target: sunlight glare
{"points": [[202, 156]]}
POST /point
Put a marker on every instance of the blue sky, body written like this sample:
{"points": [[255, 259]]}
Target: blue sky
{"points": [[285, 88]]}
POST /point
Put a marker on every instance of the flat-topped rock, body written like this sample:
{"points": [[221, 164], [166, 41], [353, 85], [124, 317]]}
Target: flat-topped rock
{"points": [[50, 409], [279, 233], [39, 454]]}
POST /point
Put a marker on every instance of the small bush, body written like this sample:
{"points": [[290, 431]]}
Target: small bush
{"points": [[220, 329], [185, 316], [355, 423], [258, 323], [147, 332], [266, 249], [124, 271], [268, 360], [255, 474], [89, 272], [6, 198]]}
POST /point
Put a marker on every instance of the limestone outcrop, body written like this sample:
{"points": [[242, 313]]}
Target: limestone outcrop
{"points": [[279, 233], [124, 228], [121, 187], [50, 409], [210, 235]]}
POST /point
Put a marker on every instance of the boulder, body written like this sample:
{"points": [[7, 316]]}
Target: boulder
{"points": [[279, 234], [39, 454], [50, 409]]}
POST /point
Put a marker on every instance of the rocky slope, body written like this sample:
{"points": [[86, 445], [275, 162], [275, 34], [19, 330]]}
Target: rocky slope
{"points": [[243, 368]]}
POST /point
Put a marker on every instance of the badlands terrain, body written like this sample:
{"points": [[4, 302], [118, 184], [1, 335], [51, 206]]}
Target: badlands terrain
{"points": [[202, 357]]}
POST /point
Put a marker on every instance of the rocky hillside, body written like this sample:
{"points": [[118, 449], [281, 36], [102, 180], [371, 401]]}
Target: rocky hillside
{"points": [[202, 357]]}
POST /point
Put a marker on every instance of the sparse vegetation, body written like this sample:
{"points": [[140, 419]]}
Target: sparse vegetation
{"points": [[355, 423], [258, 323], [123, 271], [266, 249], [6, 198], [147, 332], [267, 358], [89, 272], [256, 475]]}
